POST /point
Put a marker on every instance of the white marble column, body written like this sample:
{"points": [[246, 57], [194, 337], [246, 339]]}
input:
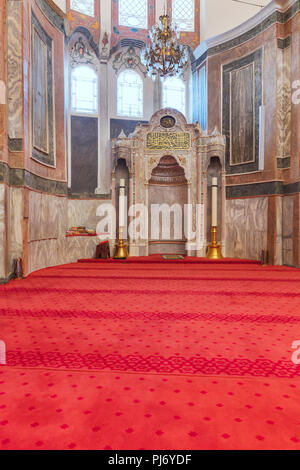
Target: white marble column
{"points": [[114, 204], [149, 215], [188, 217], [103, 132], [131, 240], [223, 212]]}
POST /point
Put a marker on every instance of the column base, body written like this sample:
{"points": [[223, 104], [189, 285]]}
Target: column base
{"points": [[121, 250], [214, 250]]}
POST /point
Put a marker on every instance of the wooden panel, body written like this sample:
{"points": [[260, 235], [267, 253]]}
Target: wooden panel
{"points": [[40, 95], [42, 100], [242, 115], [242, 98]]}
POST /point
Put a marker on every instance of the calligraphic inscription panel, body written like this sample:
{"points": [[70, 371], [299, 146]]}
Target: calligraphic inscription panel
{"points": [[168, 141]]}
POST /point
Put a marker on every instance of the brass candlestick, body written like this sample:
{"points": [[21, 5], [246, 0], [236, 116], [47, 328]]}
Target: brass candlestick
{"points": [[214, 250], [121, 248]]}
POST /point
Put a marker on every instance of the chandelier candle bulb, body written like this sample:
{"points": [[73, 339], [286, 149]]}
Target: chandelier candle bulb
{"points": [[214, 218]]}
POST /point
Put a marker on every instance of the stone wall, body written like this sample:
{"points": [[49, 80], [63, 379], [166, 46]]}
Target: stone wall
{"points": [[2, 233], [287, 229], [246, 227], [49, 218]]}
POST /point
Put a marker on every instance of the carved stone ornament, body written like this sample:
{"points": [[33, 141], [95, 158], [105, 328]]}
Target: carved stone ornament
{"points": [[129, 59], [105, 49], [80, 54]]}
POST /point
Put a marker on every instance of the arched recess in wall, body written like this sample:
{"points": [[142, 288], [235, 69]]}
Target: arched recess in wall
{"points": [[83, 116], [168, 192]]}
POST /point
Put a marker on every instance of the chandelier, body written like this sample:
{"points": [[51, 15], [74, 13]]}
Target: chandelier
{"points": [[165, 56]]}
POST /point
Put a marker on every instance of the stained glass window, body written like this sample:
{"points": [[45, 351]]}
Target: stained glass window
{"points": [[133, 13], [84, 89], [130, 94], [174, 94], [83, 6], [183, 14]]}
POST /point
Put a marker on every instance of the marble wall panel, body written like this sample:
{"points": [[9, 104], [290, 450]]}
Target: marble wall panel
{"points": [[284, 109], [16, 225], [46, 253], [14, 69], [47, 216], [82, 212], [287, 229], [2, 232], [80, 248], [246, 227], [42, 254], [278, 247]]}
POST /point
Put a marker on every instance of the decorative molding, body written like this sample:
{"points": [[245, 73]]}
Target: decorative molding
{"points": [[105, 48], [52, 15], [256, 59], [56, 8], [72, 195], [195, 64], [266, 188], [81, 55], [128, 59], [283, 163], [284, 104], [20, 177], [284, 43], [15, 145], [268, 16], [85, 32], [43, 133]]}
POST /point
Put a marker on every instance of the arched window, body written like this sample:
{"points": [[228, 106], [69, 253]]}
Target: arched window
{"points": [[133, 13], [130, 94], [183, 14], [174, 94], [84, 90]]}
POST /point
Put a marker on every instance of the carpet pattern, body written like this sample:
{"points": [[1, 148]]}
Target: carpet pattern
{"points": [[151, 355]]}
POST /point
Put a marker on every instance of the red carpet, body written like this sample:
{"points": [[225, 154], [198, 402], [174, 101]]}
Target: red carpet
{"points": [[147, 354]]}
